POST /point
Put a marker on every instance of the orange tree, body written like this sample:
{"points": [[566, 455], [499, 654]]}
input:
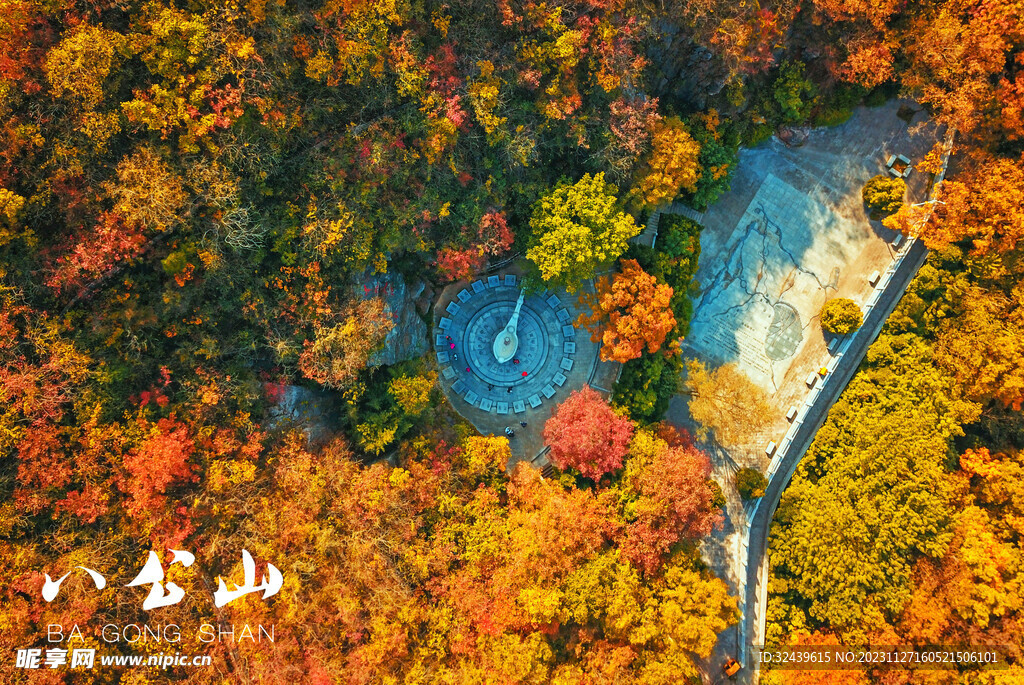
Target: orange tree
{"points": [[672, 165], [629, 313], [649, 381]]}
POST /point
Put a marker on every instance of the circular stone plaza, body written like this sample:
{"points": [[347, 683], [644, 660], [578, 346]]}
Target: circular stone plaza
{"points": [[508, 358]]}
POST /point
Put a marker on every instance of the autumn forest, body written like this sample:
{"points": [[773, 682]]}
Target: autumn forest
{"points": [[193, 195]]}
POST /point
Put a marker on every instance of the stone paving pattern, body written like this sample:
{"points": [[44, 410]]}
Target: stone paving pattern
{"points": [[792, 232], [553, 358]]}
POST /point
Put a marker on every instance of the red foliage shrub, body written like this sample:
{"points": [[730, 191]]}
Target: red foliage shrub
{"points": [[456, 265]]}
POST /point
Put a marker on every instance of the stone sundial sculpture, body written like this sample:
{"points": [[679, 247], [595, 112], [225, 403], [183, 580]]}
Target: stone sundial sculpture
{"points": [[507, 342]]}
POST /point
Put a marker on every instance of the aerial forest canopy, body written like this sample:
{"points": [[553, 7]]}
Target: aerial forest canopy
{"points": [[194, 196]]}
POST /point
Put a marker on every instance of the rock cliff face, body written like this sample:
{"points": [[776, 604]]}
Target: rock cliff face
{"points": [[408, 339], [683, 71]]}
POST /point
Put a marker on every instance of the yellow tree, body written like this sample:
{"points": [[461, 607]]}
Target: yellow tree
{"points": [[672, 164], [577, 228], [629, 313], [78, 66], [690, 608], [11, 205], [412, 393], [485, 454], [148, 193], [726, 402], [337, 354], [983, 347]]}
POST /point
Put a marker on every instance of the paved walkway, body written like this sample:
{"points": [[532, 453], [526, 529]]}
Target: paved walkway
{"points": [[649, 235]]}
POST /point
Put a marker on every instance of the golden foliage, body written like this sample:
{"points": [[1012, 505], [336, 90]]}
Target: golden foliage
{"points": [[78, 66], [727, 403], [412, 393], [337, 354], [148, 193], [577, 228], [671, 165]]}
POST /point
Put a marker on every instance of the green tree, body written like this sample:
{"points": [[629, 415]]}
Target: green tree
{"points": [[578, 228], [719, 155], [646, 386], [841, 315], [794, 94], [750, 483]]}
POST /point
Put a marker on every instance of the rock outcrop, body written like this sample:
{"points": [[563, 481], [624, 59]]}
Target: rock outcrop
{"points": [[409, 338], [311, 411]]}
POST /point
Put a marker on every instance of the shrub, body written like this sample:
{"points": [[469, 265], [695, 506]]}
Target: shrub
{"points": [[841, 315], [756, 134], [718, 162], [679, 237], [646, 386], [794, 93], [718, 500], [883, 195], [882, 94], [679, 245], [832, 116], [845, 96], [750, 483]]}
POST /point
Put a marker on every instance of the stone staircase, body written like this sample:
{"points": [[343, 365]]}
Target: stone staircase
{"points": [[688, 212], [650, 233]]}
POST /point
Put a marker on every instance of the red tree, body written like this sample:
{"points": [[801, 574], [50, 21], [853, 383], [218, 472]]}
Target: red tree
{"points": [[674, 503], [587, 435], [493, 234], [95, 254], [456, 265], [161, 461]]}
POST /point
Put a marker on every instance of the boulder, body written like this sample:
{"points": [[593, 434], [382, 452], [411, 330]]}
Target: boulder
{"points": [[794, 136]]}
